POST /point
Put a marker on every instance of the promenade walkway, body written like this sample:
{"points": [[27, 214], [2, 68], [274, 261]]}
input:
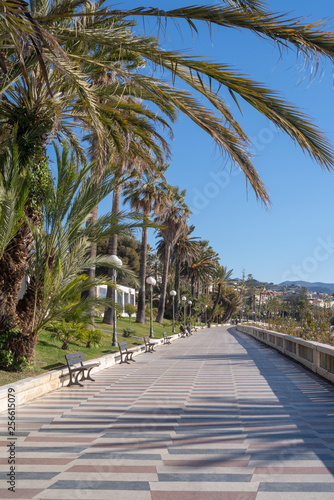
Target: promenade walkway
{"points": [[216, 416]]}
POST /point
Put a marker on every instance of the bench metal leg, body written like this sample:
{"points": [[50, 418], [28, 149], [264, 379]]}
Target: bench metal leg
{"points": [[88, 376], [125, 360], [76, 378]]}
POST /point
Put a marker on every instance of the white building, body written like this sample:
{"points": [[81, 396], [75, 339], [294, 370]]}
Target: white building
{"points": [[125, 295]]}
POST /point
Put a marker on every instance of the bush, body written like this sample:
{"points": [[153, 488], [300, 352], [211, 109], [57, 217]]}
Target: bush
{"points": [[7, 360], [128, 332], [91, 337]]}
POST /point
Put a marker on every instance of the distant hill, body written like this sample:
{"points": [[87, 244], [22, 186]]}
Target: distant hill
{"points": [[313, 287]]}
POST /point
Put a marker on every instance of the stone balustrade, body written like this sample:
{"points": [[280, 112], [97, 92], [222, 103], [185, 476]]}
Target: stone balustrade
{"points": [[313, 355]]}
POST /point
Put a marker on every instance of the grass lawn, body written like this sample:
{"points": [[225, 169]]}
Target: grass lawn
{"points": [[49, 355]]}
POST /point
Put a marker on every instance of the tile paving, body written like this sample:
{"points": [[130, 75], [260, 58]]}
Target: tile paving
{"points": [[216, 416]]}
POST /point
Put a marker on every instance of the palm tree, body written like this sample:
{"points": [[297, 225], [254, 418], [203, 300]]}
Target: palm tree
{"points": [[222, 278], [185, 251], [14, 191], [29, 112], [146, 194], [29, 117], [202, 305], [229, 305], [261, 290], [173, 222], [58, 257], [153, 264], [201, 269], [127, 165]]}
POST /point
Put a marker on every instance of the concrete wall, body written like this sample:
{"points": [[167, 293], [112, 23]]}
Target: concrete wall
{"points": [[315, 356], [30, 388]]}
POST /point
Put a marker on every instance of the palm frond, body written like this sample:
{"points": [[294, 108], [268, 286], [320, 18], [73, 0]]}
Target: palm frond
{"points": [[311, 39]]}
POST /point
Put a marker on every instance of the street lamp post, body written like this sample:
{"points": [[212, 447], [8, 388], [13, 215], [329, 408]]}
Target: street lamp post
{"points": [[173, 293], [118, 263], [184, 310], [206, 320], [151, 281], [189, 303]]}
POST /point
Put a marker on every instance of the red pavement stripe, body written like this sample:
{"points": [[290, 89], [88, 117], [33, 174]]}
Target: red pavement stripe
{"points": [[38, 461], [113, 468], [59, 439], [135, 445], [206, 440]]}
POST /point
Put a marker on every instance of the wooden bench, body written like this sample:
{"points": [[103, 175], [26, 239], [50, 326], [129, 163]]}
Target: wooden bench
{"points": [[166, 338], [149, 346], [123, 349], [73, 361]]}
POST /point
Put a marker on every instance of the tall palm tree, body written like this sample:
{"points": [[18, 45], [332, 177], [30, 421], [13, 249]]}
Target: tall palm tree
{"points": [[185, 252], [153, 263], [14, 192], [129, 164], [201, 270], [222, 278], [173, 223], [229, 304], [261, 290], [30, 116], [146, 194]]}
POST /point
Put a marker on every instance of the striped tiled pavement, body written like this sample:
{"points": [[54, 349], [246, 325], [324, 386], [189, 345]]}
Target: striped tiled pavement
{"points": [[216, 416]]}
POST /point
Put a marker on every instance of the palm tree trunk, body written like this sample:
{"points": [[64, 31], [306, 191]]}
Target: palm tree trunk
{"points": [[142, 276], [161, 310], [13, 268], [193, 286], [177, 284], [93, 253], [15, 313], [91, 271], [216, 302], [156, 271], [112, 250]]}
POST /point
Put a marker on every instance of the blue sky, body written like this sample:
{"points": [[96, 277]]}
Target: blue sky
{"points": [[294, 239]]}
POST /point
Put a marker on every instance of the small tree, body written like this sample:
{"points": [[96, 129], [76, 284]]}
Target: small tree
{"points": [[64, 332], [130, 310]]}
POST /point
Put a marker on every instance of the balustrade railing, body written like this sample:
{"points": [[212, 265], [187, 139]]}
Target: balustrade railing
{"points": [[315, 356]]}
